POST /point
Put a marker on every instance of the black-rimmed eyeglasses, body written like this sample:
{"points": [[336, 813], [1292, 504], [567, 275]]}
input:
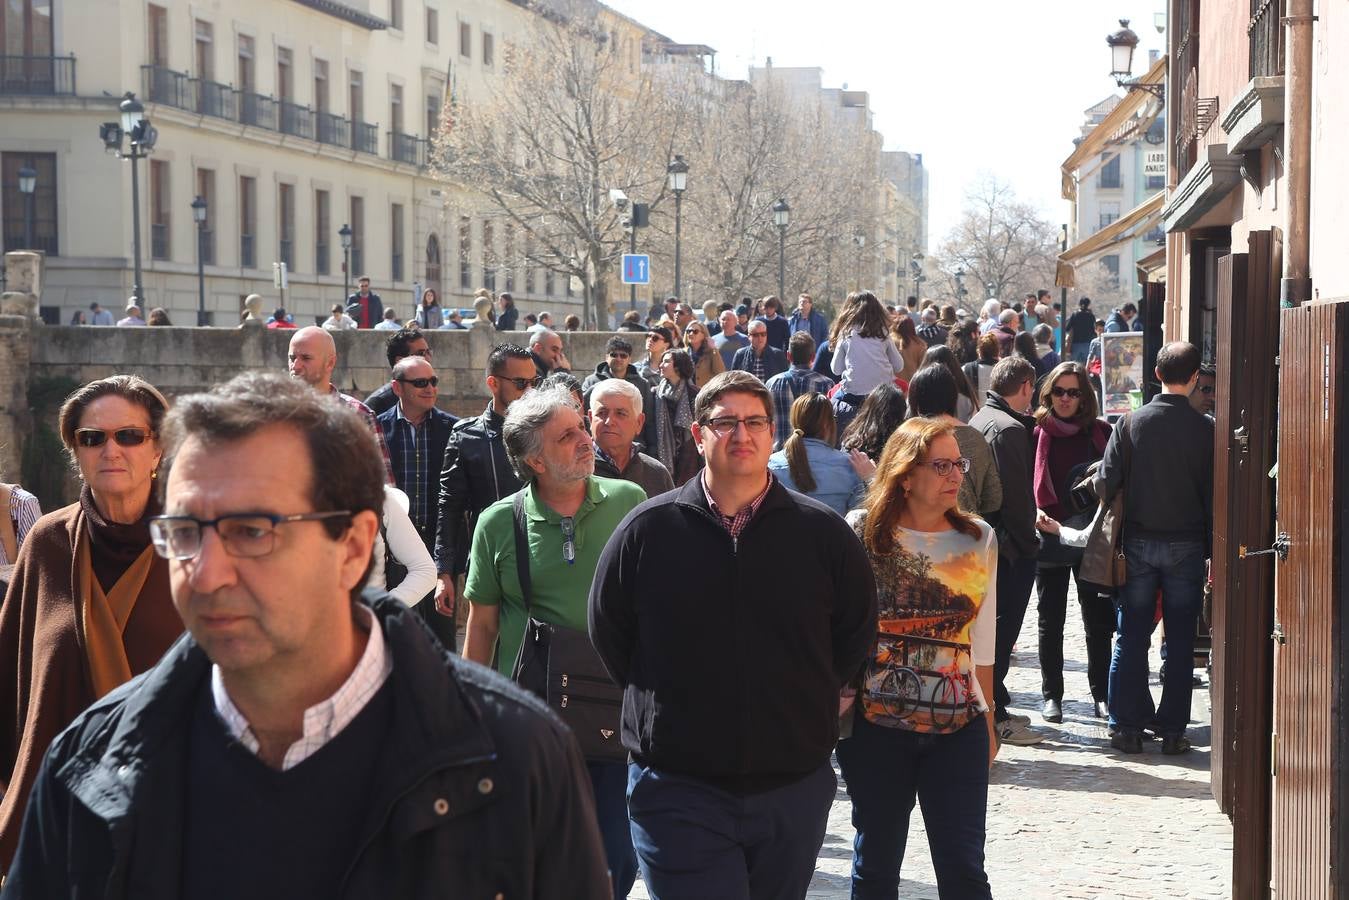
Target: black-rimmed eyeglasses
{"points": [[244, 534]]}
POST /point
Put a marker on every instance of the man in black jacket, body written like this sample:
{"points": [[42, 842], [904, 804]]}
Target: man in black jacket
{"points": [[475, 472], [730, 782], [1008, 428], [759, 359], [1161, 456], [297, 712]]}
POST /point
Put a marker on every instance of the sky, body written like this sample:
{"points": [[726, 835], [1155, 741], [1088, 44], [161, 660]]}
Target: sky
{"points": [[976, 86]]}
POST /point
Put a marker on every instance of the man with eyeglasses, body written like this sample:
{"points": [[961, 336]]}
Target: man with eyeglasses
{"points": [[475, 472], [299, 712], [401, 344], [1204, 399], [618, 364], [311, 358], [759, 359], [567, 515], [417, 432], [732, 691]]}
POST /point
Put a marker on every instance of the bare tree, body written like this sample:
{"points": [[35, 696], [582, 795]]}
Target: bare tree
{"points": [[1002, 243]]}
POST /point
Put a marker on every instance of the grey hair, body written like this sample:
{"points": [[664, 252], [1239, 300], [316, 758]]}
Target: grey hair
{"points": [[525, 420], [617, 386], [540, 335], [1007, 317], [992, 306], [1042, 333]]}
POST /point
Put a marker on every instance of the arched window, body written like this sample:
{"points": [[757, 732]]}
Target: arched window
{"points": [[433, 263]]}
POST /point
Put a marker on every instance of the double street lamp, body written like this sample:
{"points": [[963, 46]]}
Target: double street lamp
{"points": [[782, 215], [199, 216], [344, 234], [678, 170], [27, 185], [141, 137]]}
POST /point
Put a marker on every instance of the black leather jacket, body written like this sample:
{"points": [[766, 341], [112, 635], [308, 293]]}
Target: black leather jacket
{"points": [[481, 791], [476, 473]]}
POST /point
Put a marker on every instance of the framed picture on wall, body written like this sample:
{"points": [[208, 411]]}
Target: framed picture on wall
{"points": [[1122, 374]]}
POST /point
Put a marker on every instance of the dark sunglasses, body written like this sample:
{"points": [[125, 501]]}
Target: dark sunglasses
{"points": [[523, 383], [1065, 392], [421, 382], [125, 437], [617, 355]]}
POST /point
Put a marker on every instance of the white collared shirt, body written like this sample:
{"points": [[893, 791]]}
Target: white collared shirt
{"points": [[323, 721]]}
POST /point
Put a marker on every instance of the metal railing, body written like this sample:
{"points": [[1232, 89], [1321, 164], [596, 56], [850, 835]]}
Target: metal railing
{"points": [[257, 110], [206, 246], [38, 75], [161, 85], [14, 237], [396, 265], [295, 119], [214, 99], [321, 259], [332, 129], [247, 256], [365, 138], [407, 148], [1265, 30], [159, 241], [284, 252]]}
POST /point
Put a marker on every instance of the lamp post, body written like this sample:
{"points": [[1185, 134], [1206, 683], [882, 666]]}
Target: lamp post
{"points": [[916, 265], [678, 170], [141, 137], [782, 215], [1122, 45], [27, 184], [960, 286], [344, 235], [199, 216]]}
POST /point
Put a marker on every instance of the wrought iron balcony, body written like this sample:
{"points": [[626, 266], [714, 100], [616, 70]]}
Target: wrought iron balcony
{"points": [[247, 257], [332, 129], [285, 252], [365, 138], [321, 259], [407, 148], [214, 99], [257, 110], [47, 76], [159, 241], [295, 119], [161, 85]]}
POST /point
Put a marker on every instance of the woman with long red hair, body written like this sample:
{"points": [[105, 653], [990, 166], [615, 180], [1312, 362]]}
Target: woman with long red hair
{"points": [[921, 728]]}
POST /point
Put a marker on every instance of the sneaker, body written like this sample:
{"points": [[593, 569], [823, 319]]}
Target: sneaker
{"points": [[1018, 734], [1015, 717]]}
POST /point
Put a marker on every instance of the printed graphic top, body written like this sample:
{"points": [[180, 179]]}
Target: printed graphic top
{"points": [[937, 595]]}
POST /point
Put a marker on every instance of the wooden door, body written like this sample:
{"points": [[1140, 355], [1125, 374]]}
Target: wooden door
{"points": [[1243, 589], [1308, 760]]}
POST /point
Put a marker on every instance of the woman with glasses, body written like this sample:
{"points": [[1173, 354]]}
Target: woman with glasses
{"points": [[920, 725], [933, 395], [706, 360], [89, 605], [1068, 438]]}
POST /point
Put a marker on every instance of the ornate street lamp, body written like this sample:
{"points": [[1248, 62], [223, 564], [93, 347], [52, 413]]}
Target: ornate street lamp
{"points": [[961, 293], [782, 215], [678, 170], [141, 136], [199, 216], [1122, 45], [27, 185], [344, 235]]}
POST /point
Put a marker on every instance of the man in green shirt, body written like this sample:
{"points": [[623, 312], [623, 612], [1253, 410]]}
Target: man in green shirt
{"points": [[570, 514]]}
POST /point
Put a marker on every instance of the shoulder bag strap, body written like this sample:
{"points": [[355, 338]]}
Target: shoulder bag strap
{"points": [[522, 548]]}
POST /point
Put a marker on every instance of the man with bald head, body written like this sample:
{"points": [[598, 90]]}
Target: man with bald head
{"points": [[312, 358], [546, 348]]}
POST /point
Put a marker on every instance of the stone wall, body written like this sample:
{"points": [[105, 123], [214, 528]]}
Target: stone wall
{"points": [[186, 360]]}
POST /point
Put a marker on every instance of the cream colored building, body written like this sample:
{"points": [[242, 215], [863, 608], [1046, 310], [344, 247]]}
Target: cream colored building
{"points": [[290, 118]]}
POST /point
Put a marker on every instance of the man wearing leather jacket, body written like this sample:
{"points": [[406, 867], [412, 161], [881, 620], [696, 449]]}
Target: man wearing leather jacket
{"points": [[476, 472]]}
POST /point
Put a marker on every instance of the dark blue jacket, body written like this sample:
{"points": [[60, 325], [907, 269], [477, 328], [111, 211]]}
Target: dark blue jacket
{"points": [[779, 332], [774, 361], [437, 435], [480, 790], [816, 326]]}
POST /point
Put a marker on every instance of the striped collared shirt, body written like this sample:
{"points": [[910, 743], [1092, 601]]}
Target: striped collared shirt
{"points": [[736, 523], [323, 721], [415, 473]]}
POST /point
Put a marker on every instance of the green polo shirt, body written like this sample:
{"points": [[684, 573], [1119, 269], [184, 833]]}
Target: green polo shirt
{"points": [[560, 589]]}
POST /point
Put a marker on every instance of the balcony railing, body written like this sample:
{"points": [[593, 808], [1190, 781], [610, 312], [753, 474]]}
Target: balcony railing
{"points": [[161, 85], [332, 129], [46, 242], [159, 241], [284, 252], [38, 75], [295, 119], [214, 99], [247, 257], [396, 266], [407, 148], [257, 110], [365, 138], [206, 247], [321, 259]]}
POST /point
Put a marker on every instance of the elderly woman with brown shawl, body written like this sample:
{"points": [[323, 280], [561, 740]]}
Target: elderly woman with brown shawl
{"points": [[89, 606]]}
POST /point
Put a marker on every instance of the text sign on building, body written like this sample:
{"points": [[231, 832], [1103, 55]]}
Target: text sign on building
{"points": [[636, 268], [1154, 163]]}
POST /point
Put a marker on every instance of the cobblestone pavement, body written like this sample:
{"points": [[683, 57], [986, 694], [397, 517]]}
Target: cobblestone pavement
{"points": [[1071, 818]]}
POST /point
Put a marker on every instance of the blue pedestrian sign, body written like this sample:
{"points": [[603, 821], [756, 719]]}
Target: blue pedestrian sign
{"points": [[636, 268]]}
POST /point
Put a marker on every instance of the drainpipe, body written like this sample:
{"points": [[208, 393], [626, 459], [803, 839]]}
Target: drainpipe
{"points": [[1297, 284]]}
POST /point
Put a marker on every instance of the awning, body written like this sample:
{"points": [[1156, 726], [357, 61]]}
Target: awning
{"points": [[1137, 221], [1119, 125], [1152, 267]]}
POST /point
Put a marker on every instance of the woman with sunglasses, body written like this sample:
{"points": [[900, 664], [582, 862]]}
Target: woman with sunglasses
{"points": [[920, 726], [89, 605], [1068, 438], [706, 360]]}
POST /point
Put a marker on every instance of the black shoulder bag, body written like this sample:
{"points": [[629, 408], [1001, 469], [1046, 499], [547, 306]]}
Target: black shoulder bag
{"points": [[560, 665]]}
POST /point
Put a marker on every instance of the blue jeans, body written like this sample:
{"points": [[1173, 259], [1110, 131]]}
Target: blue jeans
{"points": [[886, 768], [1015, 580], [695, 841], [1176, 568], [609, 782], [1080, 353]]}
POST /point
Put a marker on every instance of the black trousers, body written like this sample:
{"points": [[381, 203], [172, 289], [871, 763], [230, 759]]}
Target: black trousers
{"points": [[1098, 621]]}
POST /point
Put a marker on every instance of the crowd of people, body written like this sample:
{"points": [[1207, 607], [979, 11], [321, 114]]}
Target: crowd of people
{"points": [[272, 615]]}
